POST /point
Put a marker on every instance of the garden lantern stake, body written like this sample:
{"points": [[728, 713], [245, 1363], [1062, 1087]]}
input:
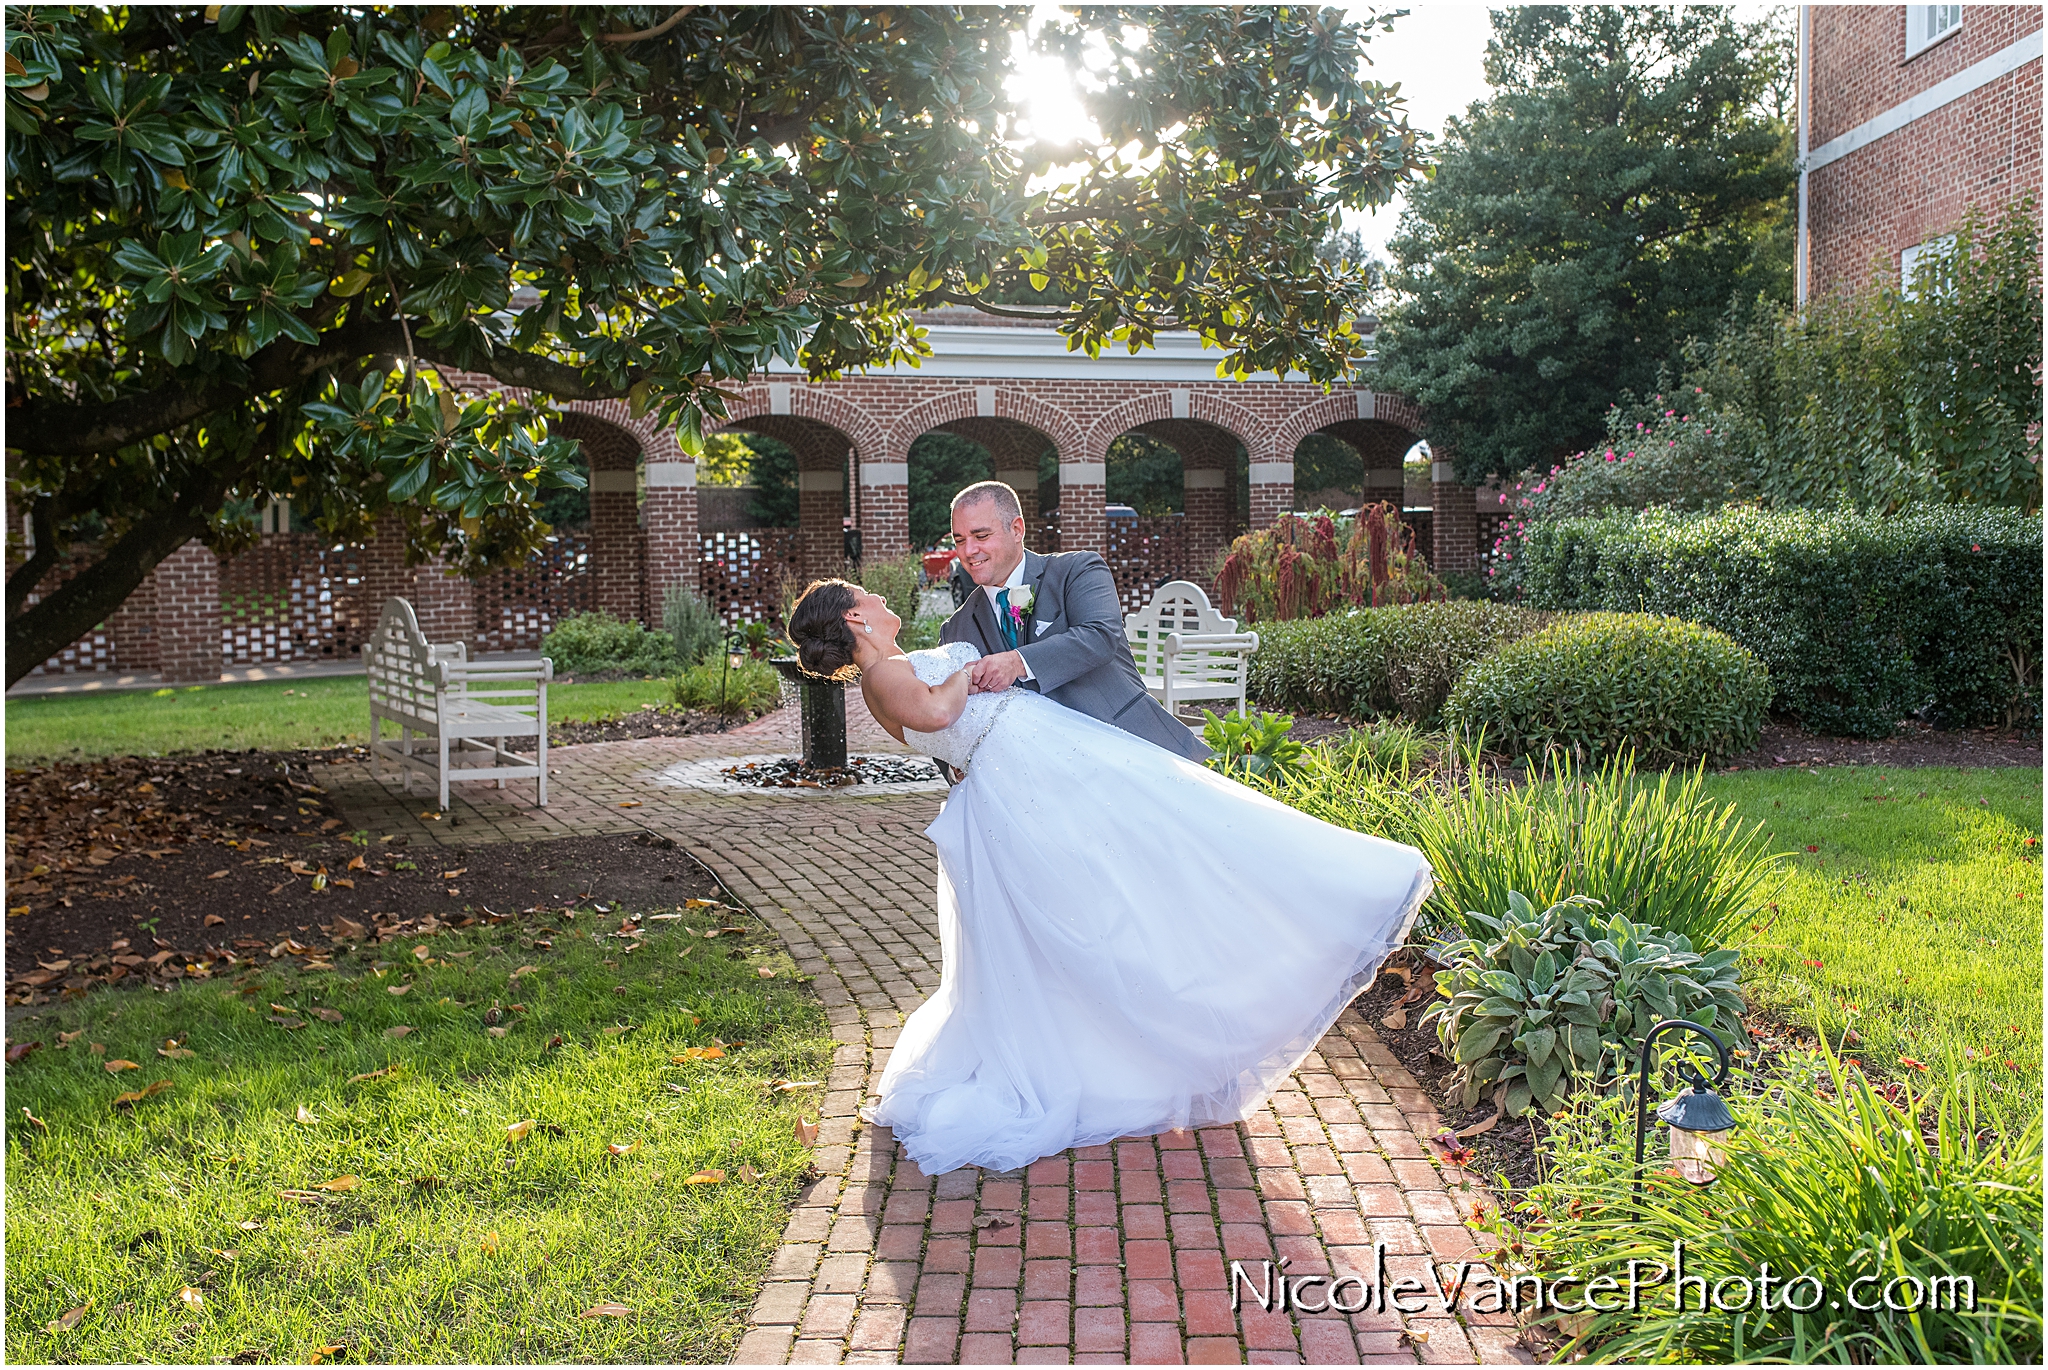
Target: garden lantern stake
{"points": [[1697, 1117]]}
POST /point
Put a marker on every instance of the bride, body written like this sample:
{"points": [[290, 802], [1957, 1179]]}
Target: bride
{"points": [[1130, 942]]}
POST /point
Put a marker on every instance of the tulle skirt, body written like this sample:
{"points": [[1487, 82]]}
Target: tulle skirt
{"points": [[1130, 943]]}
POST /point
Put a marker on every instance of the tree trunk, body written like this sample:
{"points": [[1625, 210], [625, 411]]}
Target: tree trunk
{"points": [[76, 607]]}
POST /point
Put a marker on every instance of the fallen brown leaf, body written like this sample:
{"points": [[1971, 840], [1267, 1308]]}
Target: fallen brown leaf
{"points": [[1396, 1020], [192, 1298], [33, 1119], [623, 1149], [515, 1131], [459, 870], [71, 1317], [288, 1024], [119, 1064], [213, 920], [706, 1177], [321, 1353], [123, 1100], [17, 1050], [397, 1032], [340, 1184], [749, 1174], [990, 1222], [698, 1054], [325, 1015], [218, 875], [305, 1115], [806, 1132], [764, 972], [398, 989], [1486, 1124], [608, 1310]]}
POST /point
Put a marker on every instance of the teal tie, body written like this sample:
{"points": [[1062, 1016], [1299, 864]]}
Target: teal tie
{"points": [[1003, 619]]}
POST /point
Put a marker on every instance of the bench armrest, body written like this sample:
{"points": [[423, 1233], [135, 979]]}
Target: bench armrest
{"points": [[1177, 643]]}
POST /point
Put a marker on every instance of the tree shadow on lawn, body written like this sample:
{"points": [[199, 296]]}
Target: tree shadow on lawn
{"points": [[447, 1148]]}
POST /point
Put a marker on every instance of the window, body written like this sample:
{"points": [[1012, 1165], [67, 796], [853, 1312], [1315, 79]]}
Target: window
{"points": [[1927, 25], [1911, 263]]}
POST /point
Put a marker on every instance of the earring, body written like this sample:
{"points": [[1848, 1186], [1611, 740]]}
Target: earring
{"points": [[867, 627]]}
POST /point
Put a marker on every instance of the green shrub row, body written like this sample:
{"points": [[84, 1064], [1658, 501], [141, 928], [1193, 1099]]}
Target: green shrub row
{"points": [[1861, 619], [585, 644], [1599, 684], [1370, 663]]}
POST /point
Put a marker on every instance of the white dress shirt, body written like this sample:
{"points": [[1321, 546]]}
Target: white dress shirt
{"points": [[1016, 578]]}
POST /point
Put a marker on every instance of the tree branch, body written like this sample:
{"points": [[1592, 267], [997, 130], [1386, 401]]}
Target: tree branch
{"points": [[659, 29], [30, 573], [89, 429], [50, 625]]}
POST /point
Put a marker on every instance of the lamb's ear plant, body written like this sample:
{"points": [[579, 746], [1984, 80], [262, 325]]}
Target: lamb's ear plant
{"points": [[1831, 1184], [1552, 1002]]}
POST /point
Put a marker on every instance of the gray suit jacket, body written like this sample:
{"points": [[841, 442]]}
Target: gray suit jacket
{"points": [[1073, 641]]}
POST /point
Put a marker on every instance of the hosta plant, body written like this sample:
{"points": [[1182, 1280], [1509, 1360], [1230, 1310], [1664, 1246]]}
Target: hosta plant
{"points": [[1557, 1001]]}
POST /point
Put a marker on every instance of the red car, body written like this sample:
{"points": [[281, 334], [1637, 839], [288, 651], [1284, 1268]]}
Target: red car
{"points": [[938, 565]]}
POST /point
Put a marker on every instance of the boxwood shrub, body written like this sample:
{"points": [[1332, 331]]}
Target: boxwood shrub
{"points": [[1862, 619], [1596, 684], [1369, 663]]}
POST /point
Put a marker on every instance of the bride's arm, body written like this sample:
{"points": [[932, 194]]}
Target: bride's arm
{"points": [[899, 700]]}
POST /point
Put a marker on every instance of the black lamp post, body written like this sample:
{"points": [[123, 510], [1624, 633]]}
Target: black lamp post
{"points": [[1697, 1117]]}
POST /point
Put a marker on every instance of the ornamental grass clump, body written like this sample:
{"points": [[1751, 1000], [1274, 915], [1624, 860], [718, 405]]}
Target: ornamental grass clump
{"points": [[1546, 1004], [1893, 1230], [1594, 685], [1296, 569], [1653, 848]]}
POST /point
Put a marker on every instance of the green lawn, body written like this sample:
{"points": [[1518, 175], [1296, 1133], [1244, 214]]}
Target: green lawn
{"points": [[270, 716], [167, 1222], [1917, 922]]}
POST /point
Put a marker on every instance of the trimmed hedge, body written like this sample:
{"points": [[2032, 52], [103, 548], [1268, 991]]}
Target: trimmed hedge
{"points": [[1369, 663], [1598, 684], [1862, 619]]}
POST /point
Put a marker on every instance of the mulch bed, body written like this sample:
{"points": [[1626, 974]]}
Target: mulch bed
{"points": [[1915, 744], [163, 867]]}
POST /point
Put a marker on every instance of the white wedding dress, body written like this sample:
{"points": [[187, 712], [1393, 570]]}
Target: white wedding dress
{"points": [[1130, 941]]}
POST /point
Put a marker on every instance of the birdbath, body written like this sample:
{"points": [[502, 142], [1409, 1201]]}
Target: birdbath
{"points": [[823, 707]]}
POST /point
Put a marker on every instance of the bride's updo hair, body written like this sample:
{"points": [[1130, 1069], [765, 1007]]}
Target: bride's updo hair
{"points": [[818, 627]]}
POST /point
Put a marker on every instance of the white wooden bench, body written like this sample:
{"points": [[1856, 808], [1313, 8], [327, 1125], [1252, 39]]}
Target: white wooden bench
{"points": [[1188, 652], [444, 707]]}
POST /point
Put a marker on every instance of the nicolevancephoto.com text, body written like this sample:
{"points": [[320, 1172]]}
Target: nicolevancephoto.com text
{"points": [[1476, 1287]]}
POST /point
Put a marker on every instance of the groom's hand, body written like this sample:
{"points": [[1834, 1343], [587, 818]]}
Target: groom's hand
{"points": [[995, 673]]}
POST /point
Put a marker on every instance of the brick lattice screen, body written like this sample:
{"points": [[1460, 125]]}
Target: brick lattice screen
{"points": [[517, 606], [291, 599], [1144, 554], [743, 569]]}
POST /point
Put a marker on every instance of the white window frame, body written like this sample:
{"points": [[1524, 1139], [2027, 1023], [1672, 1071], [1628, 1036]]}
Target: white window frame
{"points": [[1927, 25], [1909, 258]]}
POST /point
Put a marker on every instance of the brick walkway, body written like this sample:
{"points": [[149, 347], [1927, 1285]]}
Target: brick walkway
{"points": [[1102, 1254]]}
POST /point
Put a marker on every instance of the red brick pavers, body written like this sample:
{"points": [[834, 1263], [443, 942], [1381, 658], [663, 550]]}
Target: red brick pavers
{"points": [[1111, 1254]]}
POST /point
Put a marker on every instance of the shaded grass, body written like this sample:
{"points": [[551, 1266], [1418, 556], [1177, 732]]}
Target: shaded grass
{"points": [[457, 1244], [270, 716], [1917, 923]]}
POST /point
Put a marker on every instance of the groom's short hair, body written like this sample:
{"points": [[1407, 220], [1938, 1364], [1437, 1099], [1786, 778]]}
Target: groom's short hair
{"points": [[1007, 505]]}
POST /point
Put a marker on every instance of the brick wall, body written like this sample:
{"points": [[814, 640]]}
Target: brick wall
{"points": [[648, 536], [1913, 183]]}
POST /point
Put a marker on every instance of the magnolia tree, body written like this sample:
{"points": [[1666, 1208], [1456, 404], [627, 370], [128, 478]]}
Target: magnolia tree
{"points": [[243, 242]]}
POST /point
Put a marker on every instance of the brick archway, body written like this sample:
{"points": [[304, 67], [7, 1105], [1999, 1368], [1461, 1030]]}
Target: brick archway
{"points": [[618, 544]]}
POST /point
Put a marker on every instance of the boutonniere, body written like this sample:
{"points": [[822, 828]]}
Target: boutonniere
{"points": [[1020, 601]]}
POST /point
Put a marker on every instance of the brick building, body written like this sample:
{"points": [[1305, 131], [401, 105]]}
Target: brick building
{"points": [[1908, 115], [1013, 388]]}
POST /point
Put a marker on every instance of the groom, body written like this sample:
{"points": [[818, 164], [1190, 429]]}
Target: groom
{"points": [[1051, 623]]}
